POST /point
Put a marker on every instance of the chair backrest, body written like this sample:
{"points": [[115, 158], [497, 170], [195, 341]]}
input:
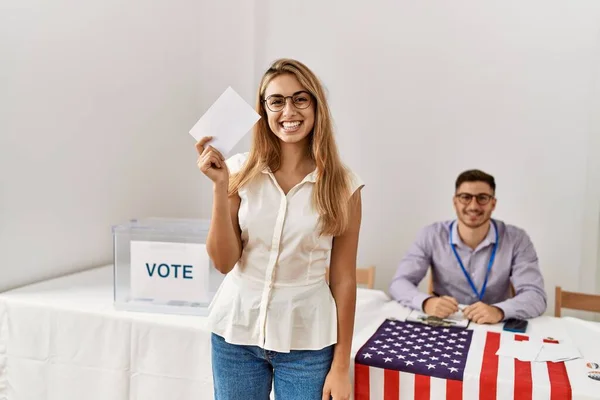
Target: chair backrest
{"points": [[430, 289], [364, 276], [575, 301]]}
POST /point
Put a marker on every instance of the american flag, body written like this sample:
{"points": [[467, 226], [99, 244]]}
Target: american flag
{"points": [[405, 360]]}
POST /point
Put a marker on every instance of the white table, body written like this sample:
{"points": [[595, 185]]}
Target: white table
{"points": [[63, 340]]}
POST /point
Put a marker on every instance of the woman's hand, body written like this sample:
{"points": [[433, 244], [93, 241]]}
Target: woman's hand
{"points": [[211, 162], [337, 385]]}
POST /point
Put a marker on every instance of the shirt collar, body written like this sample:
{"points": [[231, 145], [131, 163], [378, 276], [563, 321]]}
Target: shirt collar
{"points": [[312, 177], [489, 238]]}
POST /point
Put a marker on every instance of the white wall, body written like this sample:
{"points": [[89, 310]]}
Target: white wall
{"points": [[96, 101], [94, 93], [423, 90]]}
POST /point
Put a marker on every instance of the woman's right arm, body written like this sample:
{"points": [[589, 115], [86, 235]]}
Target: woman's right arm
{"points": [[224, 243]]}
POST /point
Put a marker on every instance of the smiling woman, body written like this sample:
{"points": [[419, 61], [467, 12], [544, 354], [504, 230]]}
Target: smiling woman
{"points": [[289, 212]]}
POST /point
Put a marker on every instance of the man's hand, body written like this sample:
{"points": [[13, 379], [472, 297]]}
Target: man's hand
{"points": [[481, 313], [441, 307]]}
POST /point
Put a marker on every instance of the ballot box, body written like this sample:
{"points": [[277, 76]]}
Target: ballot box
{"points": [[161, 265]]}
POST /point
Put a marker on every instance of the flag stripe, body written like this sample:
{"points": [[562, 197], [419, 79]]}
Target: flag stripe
{"points": [[523, 381], [376, 383], [489, 367], [391, 385], [361, 382], [560, 387], [422, 387], [407, 385], [454, 390], [507, 378]]}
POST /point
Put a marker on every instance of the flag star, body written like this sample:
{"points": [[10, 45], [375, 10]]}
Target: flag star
{"points": [[437, 350], [464, 333], [462, 339], [434, 358], [409, 362], [410, 325], [413, 355], [435, 332], [451, 341], [385, 346], [454, 334], [428, 328], [452, 369], [458, 353], [417, 347], [392, 323], [429, 366], [417, 329], [431, 338], [460, 346], [405, 349], [378, 342], [380, 352], [387, 359], [409, 342], [425, 333], [428, 345], [372, 348], [395, 333], [446, 330], [367, 355], [396, 344], [420, 340], [393, 351], [401, 338], [444, 364], [448, 348], [425, 352], [413, 336], [446, 355], [443, 337], [456, 362], [421, 360], [400, 356], [389, 340], [388, 329], [405, 331]]}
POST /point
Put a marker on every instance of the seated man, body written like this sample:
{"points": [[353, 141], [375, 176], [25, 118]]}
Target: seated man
{"points": [[474, 260]]}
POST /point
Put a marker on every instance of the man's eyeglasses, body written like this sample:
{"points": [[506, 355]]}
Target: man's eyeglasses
{"points": [[481, 198], [276, 102]]}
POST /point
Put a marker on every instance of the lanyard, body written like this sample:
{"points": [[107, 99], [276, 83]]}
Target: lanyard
{"points": [[489, 267]]}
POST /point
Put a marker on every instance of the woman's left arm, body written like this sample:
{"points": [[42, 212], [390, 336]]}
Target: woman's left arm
{"points": [[342, 281]]}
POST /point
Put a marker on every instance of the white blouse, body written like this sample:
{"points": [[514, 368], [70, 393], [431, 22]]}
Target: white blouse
{"points": [[276, 296]]}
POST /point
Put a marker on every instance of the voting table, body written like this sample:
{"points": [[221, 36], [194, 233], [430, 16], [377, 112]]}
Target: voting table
{"points": [[63, 339]]}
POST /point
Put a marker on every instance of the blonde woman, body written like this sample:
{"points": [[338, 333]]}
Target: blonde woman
{"points": [[282, 214]]}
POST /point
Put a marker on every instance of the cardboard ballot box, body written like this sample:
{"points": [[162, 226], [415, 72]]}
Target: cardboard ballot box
{"points": [[161, 265]]}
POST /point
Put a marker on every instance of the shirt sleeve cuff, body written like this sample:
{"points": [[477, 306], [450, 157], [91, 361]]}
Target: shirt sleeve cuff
{"points": [[418, 300], [506, 309]]}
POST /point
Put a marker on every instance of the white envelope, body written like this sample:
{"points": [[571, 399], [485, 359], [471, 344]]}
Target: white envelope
{"points": [[227, 120]]}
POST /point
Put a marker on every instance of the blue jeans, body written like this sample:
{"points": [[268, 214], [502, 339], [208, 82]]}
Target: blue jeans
{"points": [[247, 372]]}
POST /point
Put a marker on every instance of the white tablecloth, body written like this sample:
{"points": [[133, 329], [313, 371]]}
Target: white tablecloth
{"points": [[63, 340]]}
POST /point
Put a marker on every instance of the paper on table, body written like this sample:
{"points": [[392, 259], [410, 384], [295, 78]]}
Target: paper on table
{"points": [[227, 120], [521, 350], [556, 352]]}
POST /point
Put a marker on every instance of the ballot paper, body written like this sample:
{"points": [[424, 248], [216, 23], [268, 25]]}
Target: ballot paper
{"points": [[538, 351], [227, 121], [526, 350]]}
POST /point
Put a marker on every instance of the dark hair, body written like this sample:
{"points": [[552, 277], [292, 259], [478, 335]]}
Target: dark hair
{"points": [[475, 175]]}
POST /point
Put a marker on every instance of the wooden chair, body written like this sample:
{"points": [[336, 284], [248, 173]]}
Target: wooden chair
{"points": [[364, 276], [575, 301], [430, 289]]}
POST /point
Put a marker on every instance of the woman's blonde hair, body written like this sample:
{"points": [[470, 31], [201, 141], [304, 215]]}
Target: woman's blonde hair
{"points": [[332, 192]]}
